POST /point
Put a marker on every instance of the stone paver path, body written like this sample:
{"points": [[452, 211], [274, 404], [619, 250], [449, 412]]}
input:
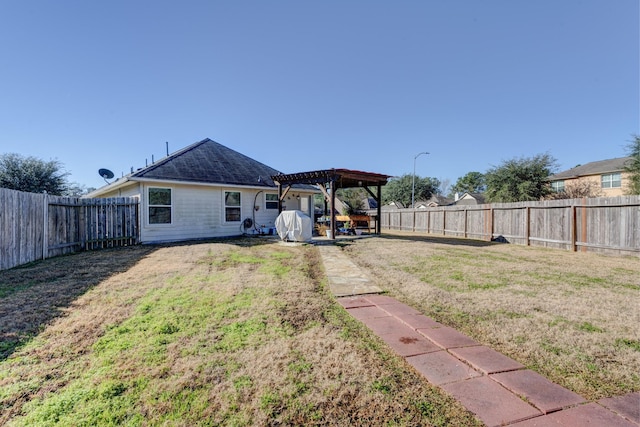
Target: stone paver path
{"points": [[345, 278], [497, 389]]}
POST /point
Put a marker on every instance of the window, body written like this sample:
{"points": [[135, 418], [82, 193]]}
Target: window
{"points": [[271, 201], [557, 186], [159, 206], [232, 206], [611, 180]]}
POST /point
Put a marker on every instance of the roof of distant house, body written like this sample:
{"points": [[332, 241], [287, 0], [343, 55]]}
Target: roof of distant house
{"points": [[593, 168]]}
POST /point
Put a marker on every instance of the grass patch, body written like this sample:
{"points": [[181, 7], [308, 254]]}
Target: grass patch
{"points": [[589, 327], [629, 343], [565, 314], [233, 333]]}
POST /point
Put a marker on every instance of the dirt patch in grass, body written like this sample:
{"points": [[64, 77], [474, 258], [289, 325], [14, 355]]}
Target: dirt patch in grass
{"points": [[239, 332], [573, 317]]}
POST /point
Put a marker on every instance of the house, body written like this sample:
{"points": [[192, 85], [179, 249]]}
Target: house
{"points": [[608, 175], [434, 201], [469, 199], [206, 190]]}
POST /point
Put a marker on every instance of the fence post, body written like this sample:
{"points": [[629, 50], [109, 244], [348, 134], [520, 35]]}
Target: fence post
{"points": [[527, 226], [574, 228], [444, 222], [464, 233], [413, 225], [491, 223], [45, 227], [584, 225]]}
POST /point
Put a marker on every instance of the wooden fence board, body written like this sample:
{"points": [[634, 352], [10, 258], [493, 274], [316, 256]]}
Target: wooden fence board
{"points": [[36, 226], [605, 225]]}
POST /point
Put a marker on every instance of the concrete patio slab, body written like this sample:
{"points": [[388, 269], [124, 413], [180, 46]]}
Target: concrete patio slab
{"points": [[627, 406], [490, 402], [363, 313], [539, 391], [353, 302], [419, 321], [410, 343], [440, 367], [486, 360], [447, 337], [591, 415]]}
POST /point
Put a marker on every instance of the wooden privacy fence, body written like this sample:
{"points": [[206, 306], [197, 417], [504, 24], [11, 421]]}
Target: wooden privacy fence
{"points": [[609, 225], [37, 226]]}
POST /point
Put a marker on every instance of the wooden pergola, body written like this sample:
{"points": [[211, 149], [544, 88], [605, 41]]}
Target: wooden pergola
{"points": [[330, 180]]}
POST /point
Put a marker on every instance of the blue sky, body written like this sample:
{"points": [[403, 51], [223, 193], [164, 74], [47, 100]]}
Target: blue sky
{"points": [[302, 85]]}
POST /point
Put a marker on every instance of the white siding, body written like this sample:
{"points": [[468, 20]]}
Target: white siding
{"points": [[194, 214], [197, 211]]}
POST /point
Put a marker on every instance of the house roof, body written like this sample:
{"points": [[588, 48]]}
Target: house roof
{"points": [[437, 200], [593, 168], [469, 198], [209, 162]]}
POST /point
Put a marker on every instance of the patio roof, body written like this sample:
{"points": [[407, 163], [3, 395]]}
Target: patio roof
{"points": [[334, 179], [344, 178]]}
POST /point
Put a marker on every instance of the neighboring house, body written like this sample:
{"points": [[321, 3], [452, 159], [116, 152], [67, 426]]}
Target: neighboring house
{"points": [[369, 203], [434, 201], [470, 199], [205, 190], [609, 176], [393, 205]]}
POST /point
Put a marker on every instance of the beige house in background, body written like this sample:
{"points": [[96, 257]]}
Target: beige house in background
{"points": [[609, 175]]}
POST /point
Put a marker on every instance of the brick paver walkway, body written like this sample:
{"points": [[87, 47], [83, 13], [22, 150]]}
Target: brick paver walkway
{"points": [[497, 389]]}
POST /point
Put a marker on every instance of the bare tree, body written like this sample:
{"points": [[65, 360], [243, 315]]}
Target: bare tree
{"points": [[577, 190]]}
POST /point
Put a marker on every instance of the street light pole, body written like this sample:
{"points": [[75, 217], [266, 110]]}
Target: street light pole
{"points": [[413, 185]]}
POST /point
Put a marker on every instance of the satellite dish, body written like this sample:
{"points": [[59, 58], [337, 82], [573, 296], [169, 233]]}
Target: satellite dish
{"points": [[105, 174]]}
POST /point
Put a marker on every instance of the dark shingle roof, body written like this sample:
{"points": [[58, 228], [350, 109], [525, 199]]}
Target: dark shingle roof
{"points": [[210, 162], [593, 168]]}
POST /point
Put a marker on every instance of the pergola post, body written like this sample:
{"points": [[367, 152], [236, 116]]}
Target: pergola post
{"points": [[332, 203], [379, 210]]}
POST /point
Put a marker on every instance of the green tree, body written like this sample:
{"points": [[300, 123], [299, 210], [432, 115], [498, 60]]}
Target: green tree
{"points": [[399, 189], [32, 174], [633, 166], [472, 182], [520, 179]]}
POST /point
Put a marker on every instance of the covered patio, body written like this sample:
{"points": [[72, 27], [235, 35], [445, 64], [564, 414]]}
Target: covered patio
{"points": [[329, 181]]}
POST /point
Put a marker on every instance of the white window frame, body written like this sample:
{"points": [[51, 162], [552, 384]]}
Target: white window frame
{"points": [[267, 201], [150, 206], [608, 180], [225, 206], [557, 186]]}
